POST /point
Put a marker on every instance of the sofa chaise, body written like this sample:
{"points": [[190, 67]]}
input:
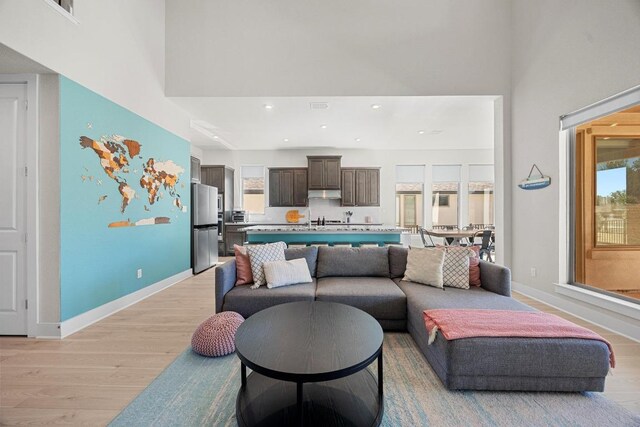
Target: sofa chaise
{"points": [[371, 279]]}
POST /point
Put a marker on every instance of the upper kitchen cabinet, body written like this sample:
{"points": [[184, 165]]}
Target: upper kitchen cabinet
{"points": [[324, 172], [288, 187], [195, 169], [360, 187]]}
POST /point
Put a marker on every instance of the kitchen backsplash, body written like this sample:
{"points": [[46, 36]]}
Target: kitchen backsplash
{"points": [[330, 209]]}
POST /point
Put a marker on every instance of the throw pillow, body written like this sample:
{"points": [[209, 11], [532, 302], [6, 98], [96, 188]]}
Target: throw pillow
{"points": [[243, 266], [474, 267], [310, 254], [424, 266], [455, 271], [283, 273], [259, 254]]}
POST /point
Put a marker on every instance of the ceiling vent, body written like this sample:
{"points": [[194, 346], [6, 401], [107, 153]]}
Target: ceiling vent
{"points": [[319, 105]]}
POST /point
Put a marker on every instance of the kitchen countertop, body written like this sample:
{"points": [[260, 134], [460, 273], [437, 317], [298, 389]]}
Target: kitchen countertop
{"points": [[304, 224], [337, 228]]}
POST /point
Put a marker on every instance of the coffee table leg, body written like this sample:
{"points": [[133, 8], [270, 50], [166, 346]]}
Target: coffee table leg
{"points": [[243, 375], [299, 404], [380, 375]]}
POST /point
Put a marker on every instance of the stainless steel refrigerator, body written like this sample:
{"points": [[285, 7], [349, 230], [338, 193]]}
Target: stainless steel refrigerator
{"points": [[204, 218]]}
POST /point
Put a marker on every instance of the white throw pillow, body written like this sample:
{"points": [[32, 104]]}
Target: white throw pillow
{"points": [[283, 273], [424, 266], [455, 271], [259, 254]]}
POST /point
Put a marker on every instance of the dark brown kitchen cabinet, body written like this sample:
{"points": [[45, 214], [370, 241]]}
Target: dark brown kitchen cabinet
{"points": [[324, 172], [287, 187], [360, 187], [348, 187]]}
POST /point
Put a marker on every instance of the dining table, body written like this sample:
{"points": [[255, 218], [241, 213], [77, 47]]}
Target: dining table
{"points": [[452, 237]]}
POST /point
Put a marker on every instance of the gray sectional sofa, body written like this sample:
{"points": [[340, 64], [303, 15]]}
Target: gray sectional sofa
{"points": [[371, 279]]}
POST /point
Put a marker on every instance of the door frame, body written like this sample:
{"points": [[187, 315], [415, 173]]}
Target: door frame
{"points": [[31, 198]]}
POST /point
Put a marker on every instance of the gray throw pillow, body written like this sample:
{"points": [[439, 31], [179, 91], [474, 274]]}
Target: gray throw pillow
{"points": [[424, 266], [352, 262], [310, 254]]}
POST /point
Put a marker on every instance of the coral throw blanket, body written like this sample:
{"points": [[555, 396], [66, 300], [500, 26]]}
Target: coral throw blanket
{"points": [[470, 323]]}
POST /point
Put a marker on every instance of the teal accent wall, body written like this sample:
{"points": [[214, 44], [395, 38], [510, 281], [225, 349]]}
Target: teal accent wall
{"points": [[99, 263]]}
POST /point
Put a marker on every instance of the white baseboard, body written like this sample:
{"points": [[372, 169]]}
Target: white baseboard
{"points": [[629, 327], [47, 330], [83, 320]]}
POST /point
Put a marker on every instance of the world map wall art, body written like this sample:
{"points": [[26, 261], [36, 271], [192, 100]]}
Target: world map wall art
{"points": [[138, 179]]}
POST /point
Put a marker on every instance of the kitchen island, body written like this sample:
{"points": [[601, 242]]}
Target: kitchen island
{"points": [[356, 235]]}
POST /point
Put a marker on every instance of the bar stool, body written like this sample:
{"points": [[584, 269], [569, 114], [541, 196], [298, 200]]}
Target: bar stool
{"points": [[297, 245], [369, 245], [342, 244], [317, 244], [387, 244]]}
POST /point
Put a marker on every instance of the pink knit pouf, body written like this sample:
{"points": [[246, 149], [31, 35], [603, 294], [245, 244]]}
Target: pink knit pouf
{"points": [[216, 335]]}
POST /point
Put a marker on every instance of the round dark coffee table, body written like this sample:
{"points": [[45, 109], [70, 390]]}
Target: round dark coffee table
{"points": [[308, 361]]}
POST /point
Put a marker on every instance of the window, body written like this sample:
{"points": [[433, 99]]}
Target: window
{"points": [[606, 204], [617, 204], [253, 200], [410, 196], [445, 196], [480, 205], [409, 205], [444, 212], [66, 5]]}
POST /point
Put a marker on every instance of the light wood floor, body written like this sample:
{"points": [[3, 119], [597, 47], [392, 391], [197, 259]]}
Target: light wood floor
{"points": [[89, 377]]}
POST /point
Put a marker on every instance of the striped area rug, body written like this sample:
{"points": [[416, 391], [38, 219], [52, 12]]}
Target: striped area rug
{"points": [[198, 391]]}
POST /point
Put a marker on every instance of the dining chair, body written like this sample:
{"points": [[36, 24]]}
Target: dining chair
{"points": [[426, 244], [485, 246]]}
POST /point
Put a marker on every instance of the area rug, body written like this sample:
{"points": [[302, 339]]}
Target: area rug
{"points": [[199, 391]]}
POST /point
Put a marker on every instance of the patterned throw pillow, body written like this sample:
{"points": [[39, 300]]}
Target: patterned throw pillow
{"points": [[455, 271], [259, 254]]}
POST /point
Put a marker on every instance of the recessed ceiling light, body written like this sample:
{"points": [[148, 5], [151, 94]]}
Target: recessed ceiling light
{"points": [[421, 132], [268, 107], [323, 126], [358, 139], [286, 140], [614, 125], [216, 137], [376, 106]]}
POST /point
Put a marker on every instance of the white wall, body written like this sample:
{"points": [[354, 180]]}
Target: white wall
{"points": [[336, 47], [48, 199], [117, 50], [385, 159], [566, 55]]}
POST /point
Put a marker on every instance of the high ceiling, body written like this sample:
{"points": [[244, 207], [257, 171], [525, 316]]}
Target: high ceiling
{"points": [[392, 122]]}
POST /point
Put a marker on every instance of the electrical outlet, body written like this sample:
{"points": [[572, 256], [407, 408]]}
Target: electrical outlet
{"points": [[139, 273], [533, 272]]}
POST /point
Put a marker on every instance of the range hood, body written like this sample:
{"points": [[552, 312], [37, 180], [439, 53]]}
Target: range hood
{"points": [[324, 194]]}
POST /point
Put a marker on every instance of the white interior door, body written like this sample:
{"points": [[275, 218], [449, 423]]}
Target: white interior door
{"points": [[13, 311]]}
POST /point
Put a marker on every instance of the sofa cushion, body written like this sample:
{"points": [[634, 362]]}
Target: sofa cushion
{"points": [[352, 262], [397, 261], [427, 298], [310, 254], [247, 301], [378, 296]]}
